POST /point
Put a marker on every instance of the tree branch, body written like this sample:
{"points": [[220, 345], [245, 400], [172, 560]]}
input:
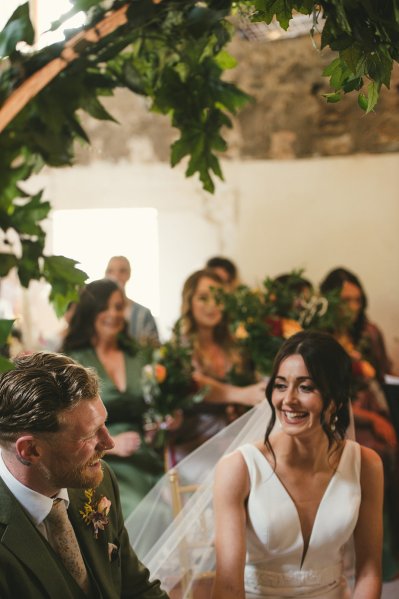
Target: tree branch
{"points": [[34, 84]]}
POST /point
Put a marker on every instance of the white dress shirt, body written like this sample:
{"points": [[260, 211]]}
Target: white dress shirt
{"points": [[37, 506]]}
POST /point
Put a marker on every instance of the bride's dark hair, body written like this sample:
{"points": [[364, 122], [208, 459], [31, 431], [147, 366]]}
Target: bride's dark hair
{"points": [[330, 368]]}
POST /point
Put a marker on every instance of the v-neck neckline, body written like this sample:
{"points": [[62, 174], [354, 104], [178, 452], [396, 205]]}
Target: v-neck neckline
{"points": [[107, 375], [292, 502]]}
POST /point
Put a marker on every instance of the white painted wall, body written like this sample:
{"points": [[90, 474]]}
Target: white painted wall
{"points": [[269, 216]]}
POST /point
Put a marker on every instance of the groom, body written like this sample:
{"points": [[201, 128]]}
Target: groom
{"points": [[52, 438]]}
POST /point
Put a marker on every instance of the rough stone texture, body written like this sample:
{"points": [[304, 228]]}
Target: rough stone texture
{"points": [[288, 119]]}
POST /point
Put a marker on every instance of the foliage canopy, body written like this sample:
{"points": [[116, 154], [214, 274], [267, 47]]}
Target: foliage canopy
{"points": [[173, 52]]}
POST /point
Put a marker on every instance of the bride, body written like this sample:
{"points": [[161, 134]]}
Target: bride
{"points": [[286, 508]]}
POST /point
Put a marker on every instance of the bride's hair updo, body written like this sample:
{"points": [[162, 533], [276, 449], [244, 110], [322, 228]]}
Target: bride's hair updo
{"points": [[330, 368]]}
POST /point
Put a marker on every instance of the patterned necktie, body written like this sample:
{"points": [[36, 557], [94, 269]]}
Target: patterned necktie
{"points": [[64, 542]]}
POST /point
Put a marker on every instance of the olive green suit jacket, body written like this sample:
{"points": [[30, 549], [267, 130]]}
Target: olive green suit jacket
{"points": [[30, 569]]}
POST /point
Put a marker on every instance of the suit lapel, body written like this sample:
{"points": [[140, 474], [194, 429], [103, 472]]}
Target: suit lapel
{"points": [[28, 545], [94, 550]]}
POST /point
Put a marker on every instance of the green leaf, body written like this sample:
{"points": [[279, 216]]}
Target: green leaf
{"points": [[330, 69], [26, 217], [352, 84], [5, 330], [17, 29], [379, 66], [230, 97], [28, 265], [225, 60], [7, 262], [215, 166], [5, 365], [362, 101], [200, 19], [332, 97], [355, 59], [65, 280], [281, 8], [180, 148], [373, 92], [92, 105], [60, 267]]}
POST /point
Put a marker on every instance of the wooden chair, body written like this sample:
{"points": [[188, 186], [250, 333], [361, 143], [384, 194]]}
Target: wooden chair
{"points": [[201, 588]]}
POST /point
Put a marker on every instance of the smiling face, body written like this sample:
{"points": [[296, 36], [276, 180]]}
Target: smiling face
{"points": [[111, 321], [297, 401], [70, 457], [118, 270], [351, 297], [206, 312]]}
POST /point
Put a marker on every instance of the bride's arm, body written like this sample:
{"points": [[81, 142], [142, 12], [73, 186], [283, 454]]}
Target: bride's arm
{"points": [[368, 531], [230, 492]]}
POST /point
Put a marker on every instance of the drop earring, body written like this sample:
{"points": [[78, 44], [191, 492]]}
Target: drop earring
{"points": [[333, 422]]}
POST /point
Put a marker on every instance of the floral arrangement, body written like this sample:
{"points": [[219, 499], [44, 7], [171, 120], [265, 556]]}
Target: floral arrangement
{"points": [[248, 316], [96, 514], [167, 383], [261, 319]]}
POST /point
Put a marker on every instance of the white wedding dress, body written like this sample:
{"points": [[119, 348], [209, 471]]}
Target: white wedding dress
{"points": [[180, 550], [274, 568]]}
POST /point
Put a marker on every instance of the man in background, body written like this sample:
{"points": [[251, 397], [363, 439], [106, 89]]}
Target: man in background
{"points": [[142, 325]]}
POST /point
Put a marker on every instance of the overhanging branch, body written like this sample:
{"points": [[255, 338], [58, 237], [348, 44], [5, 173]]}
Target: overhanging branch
{"points": [[34, 84]]}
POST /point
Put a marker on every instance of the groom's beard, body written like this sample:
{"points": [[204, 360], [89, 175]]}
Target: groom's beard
{"points": [[62, 472]]}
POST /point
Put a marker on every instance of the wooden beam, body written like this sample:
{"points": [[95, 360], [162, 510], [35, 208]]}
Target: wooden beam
{"points": [[36, 82]]}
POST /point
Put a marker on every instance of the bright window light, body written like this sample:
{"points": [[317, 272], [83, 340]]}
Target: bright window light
{"points": [[92, 236], [43, 13]]}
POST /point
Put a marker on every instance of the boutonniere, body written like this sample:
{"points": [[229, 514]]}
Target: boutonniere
{"points": [[95, 513]]}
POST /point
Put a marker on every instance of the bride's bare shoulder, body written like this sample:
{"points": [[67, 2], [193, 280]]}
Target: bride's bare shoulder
{"points": [[232, 476]]}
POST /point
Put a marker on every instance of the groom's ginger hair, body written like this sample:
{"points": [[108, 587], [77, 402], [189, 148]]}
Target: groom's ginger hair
{"points": [[38, 390]]}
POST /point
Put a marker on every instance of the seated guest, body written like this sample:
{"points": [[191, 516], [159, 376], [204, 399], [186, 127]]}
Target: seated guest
{"points": [[363, 334], [364, 343], [97, 338], [142, 325], [217, 365], [226, 270], [61, 524]]}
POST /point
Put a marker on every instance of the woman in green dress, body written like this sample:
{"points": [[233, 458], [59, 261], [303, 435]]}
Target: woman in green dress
{"points": [[97, 338]]}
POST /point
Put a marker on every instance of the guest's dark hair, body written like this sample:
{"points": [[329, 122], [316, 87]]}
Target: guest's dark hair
{"points": [[296, 283], [187, 323], [93, 299], [226, 264], [330, 368], [40, 387], [335, 281]]}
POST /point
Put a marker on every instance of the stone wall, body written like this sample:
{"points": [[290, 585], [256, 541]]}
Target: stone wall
{"points": [[288, 119]]}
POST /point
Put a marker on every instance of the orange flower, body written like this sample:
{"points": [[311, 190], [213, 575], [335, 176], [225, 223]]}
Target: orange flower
{"points": [[241, 332], [160, 373], [368, 370], [290, 327]]}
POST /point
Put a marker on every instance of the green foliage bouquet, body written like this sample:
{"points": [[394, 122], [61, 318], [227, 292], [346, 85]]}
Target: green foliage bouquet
{"points": [[261, 319], [248, 315], [168, 385]]}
